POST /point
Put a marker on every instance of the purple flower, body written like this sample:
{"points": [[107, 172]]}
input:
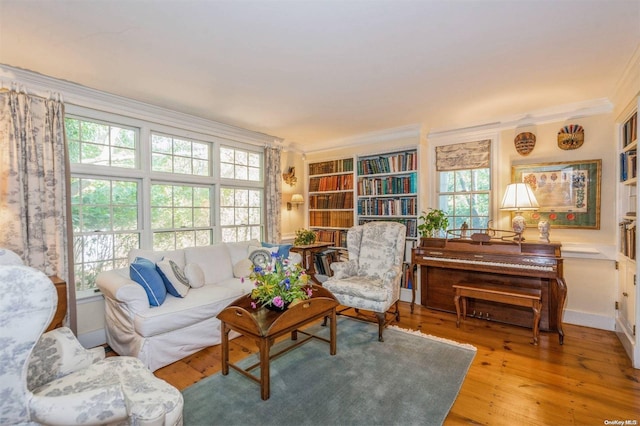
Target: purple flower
{"points": [[253, 305], [278, 302], [309, 291]]}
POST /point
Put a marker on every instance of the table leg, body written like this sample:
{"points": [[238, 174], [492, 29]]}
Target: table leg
{"points": [[225, 348], [264, 344], [332, 333]]}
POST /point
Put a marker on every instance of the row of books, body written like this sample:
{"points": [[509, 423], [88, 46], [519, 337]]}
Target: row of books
{"points": [[628, 165], [630, 130], [336, 200], [411, 224], [322, 262], [336, 236], [332, 219], [628, 238], [388, 185], [335, 166], [331, 183], [407, 276], [388, 164], [406, 206]]}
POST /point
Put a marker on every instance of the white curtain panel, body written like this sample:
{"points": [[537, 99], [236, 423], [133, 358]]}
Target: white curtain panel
{"points": [[33, 181], [272, 194]]}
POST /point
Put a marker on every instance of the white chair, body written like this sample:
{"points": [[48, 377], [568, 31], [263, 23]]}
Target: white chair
{"points": [[51, 379], [370, 279]]}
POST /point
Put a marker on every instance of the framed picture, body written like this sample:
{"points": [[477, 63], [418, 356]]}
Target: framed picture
{"points": [[568, 192]]}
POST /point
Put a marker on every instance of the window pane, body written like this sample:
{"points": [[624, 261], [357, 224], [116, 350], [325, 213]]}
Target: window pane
{"points": [[164, 241], [463, 180], [162, 163], [177, 155], [240, 165], [462, 205], [226, 171], [242, 210], [480, 204], [101, 144], [447, 182], [481, 180]]}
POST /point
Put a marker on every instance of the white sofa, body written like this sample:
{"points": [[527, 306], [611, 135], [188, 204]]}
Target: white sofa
{"points": [[160, 335]]}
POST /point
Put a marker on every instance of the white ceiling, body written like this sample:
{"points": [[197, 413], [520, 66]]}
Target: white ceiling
{"points": [[316, 71]]}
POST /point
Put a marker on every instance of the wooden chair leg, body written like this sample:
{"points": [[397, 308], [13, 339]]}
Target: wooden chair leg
{"points": [[381, 321]]}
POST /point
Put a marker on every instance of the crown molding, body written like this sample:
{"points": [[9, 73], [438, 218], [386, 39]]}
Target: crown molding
{"points": [[564, 112], [76, 94], [395, 133]]}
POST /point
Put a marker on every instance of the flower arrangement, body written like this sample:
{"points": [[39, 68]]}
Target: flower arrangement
{"points": [[279, 283], [304, 237]]}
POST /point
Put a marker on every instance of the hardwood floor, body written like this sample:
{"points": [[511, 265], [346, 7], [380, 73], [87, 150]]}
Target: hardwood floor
{"points": [[587, 381]]}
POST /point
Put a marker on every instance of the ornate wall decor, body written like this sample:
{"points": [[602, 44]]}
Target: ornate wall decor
{"points": [[525, 142], [290, 176], [571, 137]]}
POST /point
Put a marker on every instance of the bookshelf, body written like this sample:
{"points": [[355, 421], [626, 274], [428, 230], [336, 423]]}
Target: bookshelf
{"points": [[387, 189], [626, 301], [331, 200]]}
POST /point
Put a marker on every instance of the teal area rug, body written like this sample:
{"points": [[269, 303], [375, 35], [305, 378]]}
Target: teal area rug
{"points": [[409, 379]]}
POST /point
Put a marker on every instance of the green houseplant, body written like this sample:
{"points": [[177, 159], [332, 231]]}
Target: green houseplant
{"points": [[433, 223], [304, 237]]}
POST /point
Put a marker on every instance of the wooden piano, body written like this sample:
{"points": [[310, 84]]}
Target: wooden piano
{"points": [[445, 262]]}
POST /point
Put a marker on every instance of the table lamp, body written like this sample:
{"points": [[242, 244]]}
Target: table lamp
{"points": [[519, 197]]}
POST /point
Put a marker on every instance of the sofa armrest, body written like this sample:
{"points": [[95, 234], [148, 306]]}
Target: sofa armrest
{"points": [[116, 286]]}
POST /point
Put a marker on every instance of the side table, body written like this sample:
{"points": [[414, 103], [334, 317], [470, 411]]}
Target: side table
{"points": [[61, 309], [307, 252]]}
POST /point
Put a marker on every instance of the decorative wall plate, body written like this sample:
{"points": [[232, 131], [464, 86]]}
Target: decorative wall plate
{"points": [[525, 142], [571, 137]]}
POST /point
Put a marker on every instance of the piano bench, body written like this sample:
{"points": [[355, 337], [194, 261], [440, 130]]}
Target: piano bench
{"points": [[528, 297]]}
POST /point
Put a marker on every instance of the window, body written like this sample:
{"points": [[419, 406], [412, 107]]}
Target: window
{"points": [[465, 196], [105, 225], [154, 189], [95, 143], [175, 155], [240, 164], [180, 216], [464, 183], [240, 214]]}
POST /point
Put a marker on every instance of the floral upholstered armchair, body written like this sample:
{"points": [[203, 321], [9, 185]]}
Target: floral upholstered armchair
{"points": [[370, 279], [51, 379]]}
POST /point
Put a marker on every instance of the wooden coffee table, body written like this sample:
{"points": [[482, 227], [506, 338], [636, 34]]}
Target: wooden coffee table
{"points": [[265, 326]]}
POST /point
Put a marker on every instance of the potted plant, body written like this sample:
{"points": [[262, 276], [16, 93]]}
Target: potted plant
{"points": [[433, 223], [304, 237]]}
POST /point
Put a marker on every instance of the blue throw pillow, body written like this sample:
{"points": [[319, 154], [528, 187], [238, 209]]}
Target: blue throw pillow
{"points": [[283, 249], [143, 271]]}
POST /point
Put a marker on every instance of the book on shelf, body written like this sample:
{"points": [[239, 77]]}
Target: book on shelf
{"points": [[630, 130], [628, 165]]}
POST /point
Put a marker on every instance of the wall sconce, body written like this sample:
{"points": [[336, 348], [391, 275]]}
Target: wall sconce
{"points": [[290, 176], [519, 197], [295, 199]]}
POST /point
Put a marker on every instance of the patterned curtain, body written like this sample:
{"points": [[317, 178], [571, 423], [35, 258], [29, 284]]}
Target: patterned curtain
{"points": [[272, 193], [33, 182]]}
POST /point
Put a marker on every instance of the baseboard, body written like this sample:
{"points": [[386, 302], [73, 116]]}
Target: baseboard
{"points": [[93, 338], [589, 320]]}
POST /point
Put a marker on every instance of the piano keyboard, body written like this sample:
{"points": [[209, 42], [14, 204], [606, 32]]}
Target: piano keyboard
{"points": [[532, 267]]}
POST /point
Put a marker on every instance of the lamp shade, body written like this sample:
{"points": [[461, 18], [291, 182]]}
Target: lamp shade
{"points": [[297, 199], [519, 196]]}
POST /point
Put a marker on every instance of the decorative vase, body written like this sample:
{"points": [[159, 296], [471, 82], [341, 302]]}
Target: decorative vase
{"points": [[274, 308]]}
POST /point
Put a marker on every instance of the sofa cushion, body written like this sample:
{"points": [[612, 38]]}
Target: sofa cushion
{"points": [[240, 250], [214, 260], [143, 271], [199, 305], [156, 256], [243, 268], [175, 281], [194, 274], [283, 249]]}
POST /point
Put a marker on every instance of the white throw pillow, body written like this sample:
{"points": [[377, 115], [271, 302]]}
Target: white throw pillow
{"points": [[243, 268], [175, 281], [194, 274]]}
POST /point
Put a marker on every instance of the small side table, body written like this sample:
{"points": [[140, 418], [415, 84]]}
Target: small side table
{"points": [[61, 310], [307, 252]]}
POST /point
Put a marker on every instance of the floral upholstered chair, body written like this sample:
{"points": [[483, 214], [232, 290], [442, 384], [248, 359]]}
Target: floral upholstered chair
{"points": [[370, 279], [51, 379]]}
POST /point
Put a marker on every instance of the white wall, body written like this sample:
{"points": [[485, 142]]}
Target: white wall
{"points": [[589, 254]]}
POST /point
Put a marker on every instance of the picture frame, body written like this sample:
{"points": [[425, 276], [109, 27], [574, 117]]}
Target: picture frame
{"points": [[568, 192]]}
